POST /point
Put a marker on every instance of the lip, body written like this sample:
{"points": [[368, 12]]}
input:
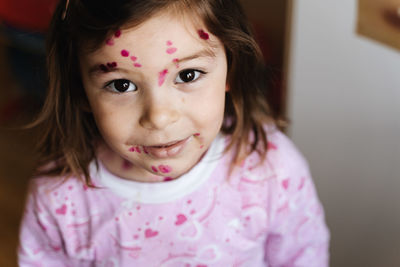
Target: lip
{"points": [[170, 149]]}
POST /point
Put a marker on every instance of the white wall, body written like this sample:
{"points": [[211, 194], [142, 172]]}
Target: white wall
{"points": [[344, 103]]}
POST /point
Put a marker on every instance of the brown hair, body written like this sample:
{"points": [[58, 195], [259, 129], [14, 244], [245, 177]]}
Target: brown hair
{"points": [[69, 130]]}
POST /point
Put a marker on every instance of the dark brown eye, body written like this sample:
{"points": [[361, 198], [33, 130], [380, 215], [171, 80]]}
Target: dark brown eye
{"points": [[122, 86], [187, 76]]}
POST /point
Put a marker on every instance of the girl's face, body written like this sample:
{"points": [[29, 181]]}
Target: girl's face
{"points": [[157, 93]]}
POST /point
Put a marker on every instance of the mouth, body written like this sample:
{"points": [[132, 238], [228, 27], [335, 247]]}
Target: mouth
{"points": [[166, 150]]}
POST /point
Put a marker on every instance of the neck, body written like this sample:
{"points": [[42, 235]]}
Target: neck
{"points": [[123, 168]]}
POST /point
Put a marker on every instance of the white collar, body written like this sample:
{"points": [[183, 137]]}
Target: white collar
{"points": [[164, 191]]}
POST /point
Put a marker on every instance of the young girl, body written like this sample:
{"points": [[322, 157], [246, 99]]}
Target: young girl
{"points": [[158, 147]]}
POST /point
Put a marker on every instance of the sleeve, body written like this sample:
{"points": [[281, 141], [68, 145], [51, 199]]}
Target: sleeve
{"points": [[40, 241], [298, 234]]}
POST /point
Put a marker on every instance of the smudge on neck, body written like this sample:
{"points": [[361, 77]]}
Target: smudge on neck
{"points": [[126, 165]]}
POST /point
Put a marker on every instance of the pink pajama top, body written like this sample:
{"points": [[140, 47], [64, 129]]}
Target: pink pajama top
{"points": [[264, 214]]}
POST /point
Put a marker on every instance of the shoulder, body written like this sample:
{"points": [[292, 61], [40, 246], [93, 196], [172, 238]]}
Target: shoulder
{"points": [[46, 185], [283, 153], [282, 158], [55, 195]]}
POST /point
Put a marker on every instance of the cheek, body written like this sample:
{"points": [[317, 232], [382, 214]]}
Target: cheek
{"points": [[112, 122], [212, 104]]}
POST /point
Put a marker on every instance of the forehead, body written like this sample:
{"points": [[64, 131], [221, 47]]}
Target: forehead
{"points": [[157, 33]]}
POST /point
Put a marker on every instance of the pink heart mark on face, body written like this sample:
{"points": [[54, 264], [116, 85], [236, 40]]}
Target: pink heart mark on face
{"points": [[176, 61], [150, 233], [117, 34], [161, 76], [125, 53], [203, 35], [169, 43], [164, 168], [137, 65], [133, 58], [62, 210], [171, 50], [180, 219], [154, 169]]}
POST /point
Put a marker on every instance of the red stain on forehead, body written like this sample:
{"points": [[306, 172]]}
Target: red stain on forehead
{"points": [[176, 61], [117, 34], [112, 64], [203, 35], [106, 67]]}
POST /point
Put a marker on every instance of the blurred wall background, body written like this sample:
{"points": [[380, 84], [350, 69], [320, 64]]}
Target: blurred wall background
{"points": [[344, 103]]}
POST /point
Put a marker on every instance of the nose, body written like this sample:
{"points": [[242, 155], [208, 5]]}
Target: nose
{"points": [[158, 114]]}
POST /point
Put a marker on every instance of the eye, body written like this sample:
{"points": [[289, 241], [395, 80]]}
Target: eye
{"points": [[121, 86], [189, 75]]}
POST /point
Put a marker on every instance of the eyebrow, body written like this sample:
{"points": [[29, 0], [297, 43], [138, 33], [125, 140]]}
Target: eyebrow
{"points": [[207, 52], [201, 53], [96, 70]]}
